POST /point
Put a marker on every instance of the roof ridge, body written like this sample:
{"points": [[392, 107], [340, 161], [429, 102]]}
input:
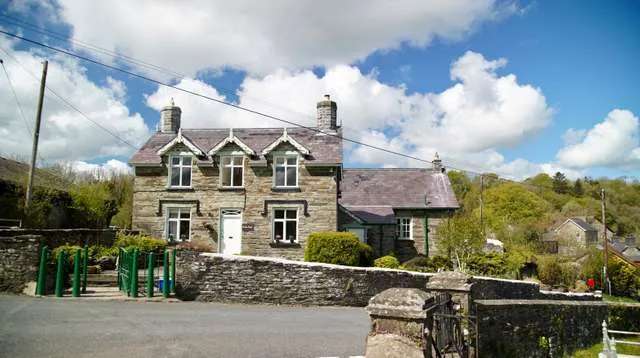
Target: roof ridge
{"points": [[425, 169], [245, 128]]}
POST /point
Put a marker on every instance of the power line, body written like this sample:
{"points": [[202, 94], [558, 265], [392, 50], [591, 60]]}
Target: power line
{"points": [[69, 103], [239, 107], [15, 96]]}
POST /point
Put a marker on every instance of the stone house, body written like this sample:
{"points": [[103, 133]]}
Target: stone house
{"points": [[262, 191], [571, 237]]}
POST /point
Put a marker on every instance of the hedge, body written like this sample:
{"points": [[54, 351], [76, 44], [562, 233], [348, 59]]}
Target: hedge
{"points": [[387, 262], [624, 316], [341, 248]]}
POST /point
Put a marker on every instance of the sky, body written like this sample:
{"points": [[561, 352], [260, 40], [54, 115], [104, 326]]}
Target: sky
{"points": [[510, 87]]}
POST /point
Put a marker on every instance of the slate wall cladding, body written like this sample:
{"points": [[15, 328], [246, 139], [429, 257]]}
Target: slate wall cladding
{"points": [[316, 185], [58, 237], [515, 328], [243, 279], [18, 262]]}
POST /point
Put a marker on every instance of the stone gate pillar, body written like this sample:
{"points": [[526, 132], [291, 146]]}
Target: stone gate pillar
{"points": [[398, 322]]}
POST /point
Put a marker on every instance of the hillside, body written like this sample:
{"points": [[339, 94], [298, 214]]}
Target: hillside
{"points": [[18, 172]]}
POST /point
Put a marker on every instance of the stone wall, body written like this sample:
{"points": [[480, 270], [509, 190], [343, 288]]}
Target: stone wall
{"points": [[245, 279], [18, 262], [536, 328], [316, 185], [58, 237]]}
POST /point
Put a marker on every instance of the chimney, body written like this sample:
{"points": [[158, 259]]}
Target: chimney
{"points": [[437, 164], [327, 114], [170, 118]]}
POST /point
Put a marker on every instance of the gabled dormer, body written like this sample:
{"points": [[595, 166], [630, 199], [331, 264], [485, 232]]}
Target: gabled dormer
{"points": [[230, 154], [285, 153]]}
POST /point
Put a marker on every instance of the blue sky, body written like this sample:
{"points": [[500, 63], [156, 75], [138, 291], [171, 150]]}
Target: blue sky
{"points": [[578, 58]]}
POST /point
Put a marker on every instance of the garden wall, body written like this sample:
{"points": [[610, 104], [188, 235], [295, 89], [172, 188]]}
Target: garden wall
{"points": [[18, 262], [251, 279], [537, 328], [58, 237]]}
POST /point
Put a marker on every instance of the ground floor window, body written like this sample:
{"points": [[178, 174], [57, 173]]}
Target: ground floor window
{"points": [[403, 228], [178, 225], [285, 225], [360, 233]]}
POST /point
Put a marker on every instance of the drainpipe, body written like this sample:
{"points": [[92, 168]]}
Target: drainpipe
{"points": [[426, 236]]}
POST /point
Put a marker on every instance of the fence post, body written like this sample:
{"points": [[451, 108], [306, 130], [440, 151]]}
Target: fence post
{"points": [[150, 263], [41, 289], [119, 266], [85, 268], [134, 273], [60, 273], [173, 271], [165, 274], [75, 289]]}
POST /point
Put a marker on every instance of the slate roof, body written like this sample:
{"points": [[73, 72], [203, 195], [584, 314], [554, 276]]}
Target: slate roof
{"points": [[373, 194], [324, 148], [583, 224]]}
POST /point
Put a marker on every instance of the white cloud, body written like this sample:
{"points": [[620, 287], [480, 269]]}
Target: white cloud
{"points": [[266, 35], [107, 169], [65, 134], [467, 123], [613, 143]]}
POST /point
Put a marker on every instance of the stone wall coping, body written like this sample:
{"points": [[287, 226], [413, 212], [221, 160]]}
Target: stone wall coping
{"points": [[26, 230], [310, 264], [538, 303], [32, 238], [569, 294], [486, 278]]}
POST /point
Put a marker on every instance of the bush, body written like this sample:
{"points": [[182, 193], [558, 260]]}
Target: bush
{"points": [[387, 262], [197, 246], [422, 263], [69, 250], [491, 264], [624, 317], [366, 254], [555, 273], [141, 242], [341, 248], [625, 279]]}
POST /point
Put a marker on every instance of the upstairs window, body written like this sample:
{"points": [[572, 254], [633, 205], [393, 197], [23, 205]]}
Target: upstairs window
{"points": [[180, 171], [232, 171], [403, 229], [285, 225], [178, 224], [286, 171]]}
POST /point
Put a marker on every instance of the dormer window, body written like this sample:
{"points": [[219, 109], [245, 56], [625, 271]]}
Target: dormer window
{"points": [[285, 171], [232, 171], [180, 171]]}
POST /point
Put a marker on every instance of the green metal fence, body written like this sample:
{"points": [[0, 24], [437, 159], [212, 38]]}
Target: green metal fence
{"points": [[79, 278], [146, 273]]}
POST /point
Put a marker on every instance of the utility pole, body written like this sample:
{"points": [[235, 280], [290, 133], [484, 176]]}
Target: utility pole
{"points": [[606, 243], [481, 206], [36, 134]]}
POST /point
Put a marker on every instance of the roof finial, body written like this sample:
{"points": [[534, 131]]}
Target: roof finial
{"points": [[230, 132], [436, 157], [284, 132], [171, 102]]}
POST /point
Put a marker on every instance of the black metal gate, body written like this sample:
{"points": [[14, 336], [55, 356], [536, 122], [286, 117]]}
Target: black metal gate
{"points": [[450, 332]]}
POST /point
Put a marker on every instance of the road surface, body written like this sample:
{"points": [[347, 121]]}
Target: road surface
{"points": [[50, 327]]}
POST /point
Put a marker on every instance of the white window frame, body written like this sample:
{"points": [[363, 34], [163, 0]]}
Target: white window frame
{"points": [[180, 209], [400, 222], [286, 168], [180, 167], [231, 166], [284, 224]]}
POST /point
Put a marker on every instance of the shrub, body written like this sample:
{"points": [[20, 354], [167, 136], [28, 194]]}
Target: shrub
{"points": [[69, 250], [555, 273], [366, 254], [341, 248], [428, 264], [141, 242], [387, 262], [624, 317], [197, 246]]}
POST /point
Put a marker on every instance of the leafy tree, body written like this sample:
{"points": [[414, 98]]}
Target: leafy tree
{"points": [[577, 188], [460, 183], [461, 237], [512, 204], [560, 183]]}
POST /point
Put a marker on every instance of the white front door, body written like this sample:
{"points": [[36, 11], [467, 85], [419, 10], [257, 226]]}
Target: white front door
{"points": [[231, 231]]}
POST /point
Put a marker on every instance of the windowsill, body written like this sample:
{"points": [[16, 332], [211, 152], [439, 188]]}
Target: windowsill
{"points": [[180, 188], [405, 239], [284, 244], [231, 188], [286, 189]]}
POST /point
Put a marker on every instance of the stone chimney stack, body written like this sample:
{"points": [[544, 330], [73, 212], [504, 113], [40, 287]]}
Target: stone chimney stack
{"points": [[170, 118], [327, 114], [437, 164]]}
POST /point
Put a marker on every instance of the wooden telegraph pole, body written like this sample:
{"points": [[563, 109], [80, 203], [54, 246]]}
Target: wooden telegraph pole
{"points": [[36, 134], [605, 280], [481, 206]]}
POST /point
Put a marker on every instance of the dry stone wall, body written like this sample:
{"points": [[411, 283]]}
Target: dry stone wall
{"points": [[18, 262], [58, 237]]}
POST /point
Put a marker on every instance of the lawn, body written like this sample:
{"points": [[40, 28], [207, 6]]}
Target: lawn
{"points": [[621, 348]]}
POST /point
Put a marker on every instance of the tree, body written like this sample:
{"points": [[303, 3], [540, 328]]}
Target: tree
{"points": [[560, 183], [512, 204], [460, 183], [461, 237], [578, 190]]}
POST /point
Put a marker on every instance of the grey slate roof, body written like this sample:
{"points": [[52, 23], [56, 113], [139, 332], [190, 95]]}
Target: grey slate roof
{"points": [[324, 148], [372, 194], [583, 224]]}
